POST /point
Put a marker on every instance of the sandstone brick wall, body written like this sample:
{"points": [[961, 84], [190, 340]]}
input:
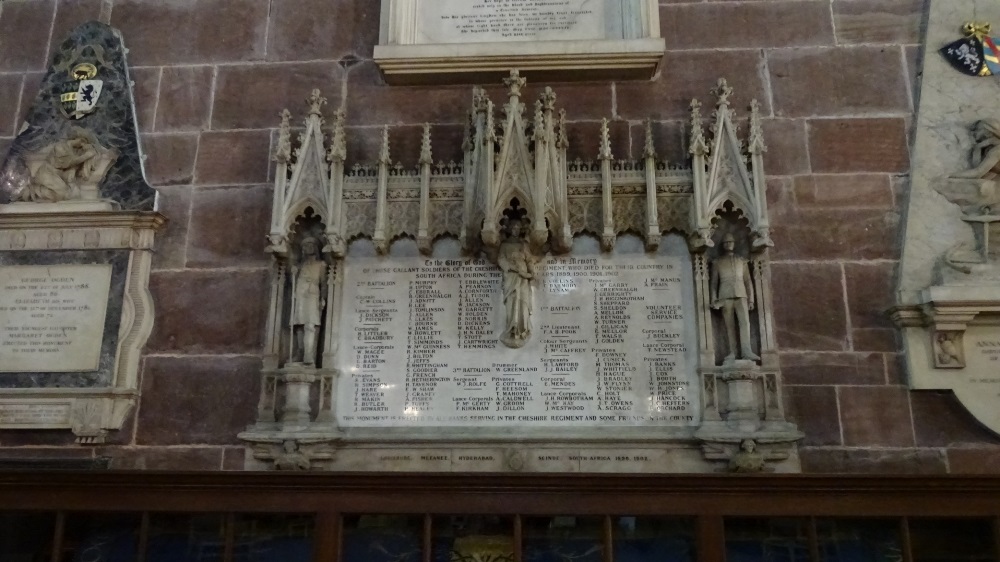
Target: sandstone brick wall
{"points": [[837, 78]]}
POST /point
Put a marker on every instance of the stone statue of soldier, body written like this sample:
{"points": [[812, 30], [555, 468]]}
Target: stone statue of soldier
{"points": [[308, 301], [732, 293], [518, 265]]}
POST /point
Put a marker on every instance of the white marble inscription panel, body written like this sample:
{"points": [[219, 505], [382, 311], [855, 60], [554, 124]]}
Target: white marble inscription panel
{"points": [[482, 21], [34, 414], [612, 345], [52, 317]]}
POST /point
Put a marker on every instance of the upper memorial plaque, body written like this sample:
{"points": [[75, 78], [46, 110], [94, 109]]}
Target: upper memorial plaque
{"points": [[462, 40]]}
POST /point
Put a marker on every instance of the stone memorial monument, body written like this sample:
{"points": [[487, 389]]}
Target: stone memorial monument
{"points": [[518, 311], [458, 40], [76, 232], [949, 281]]}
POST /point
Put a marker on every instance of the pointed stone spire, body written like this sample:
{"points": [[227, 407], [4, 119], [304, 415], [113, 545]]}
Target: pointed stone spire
{"points": [[539, 134], [338, 147], [698, 144], [284, 151], [722, 91], [605, 152], [383, 155], [650, 149], [425, 146], [514, 83], [563, 139], [757, 145]]}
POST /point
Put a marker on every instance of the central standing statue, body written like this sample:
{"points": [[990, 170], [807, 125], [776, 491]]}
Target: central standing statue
{"points": [[732, 293], [307, 310], [518, 265]]}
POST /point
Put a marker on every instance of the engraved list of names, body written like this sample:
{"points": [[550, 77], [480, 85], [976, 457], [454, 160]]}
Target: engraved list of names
{"points": [[479, 21], [52, 317], [419, 345]]}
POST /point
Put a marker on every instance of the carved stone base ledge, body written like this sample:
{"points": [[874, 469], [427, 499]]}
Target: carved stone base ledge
{"points": [[89, 414]]}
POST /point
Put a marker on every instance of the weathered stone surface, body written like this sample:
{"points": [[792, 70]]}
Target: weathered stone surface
{"points": [[858, 145], [200, 31], [808, 306], [225, 227], [252, 96], [738, 24], [24, 34], [233, 458], [786, 147], [832, 234], [180, 400], [625, 144], [833, 368], [146, 92], [878, 21], [869, 296], [185, 98], [69, 14], [363, 143], [207, 312], [171, 158], [814, 410], [692, 74], [370, 100], [939, 420], [873, 461], [844, 191], [838, 81], [876, 416], [171, 241], [233, 157], [315, 29], [161, 458]]}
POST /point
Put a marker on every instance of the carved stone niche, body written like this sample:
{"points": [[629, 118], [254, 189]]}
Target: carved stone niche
{"points": [[460, 40], [520, 312], [77, 222]]}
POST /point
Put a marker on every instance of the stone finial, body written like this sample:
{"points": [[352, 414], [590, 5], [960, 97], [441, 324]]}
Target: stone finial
{"points": [[757, 145], [425, 146], [650, 149], [698, 144], [605, 151], [383, 155], [514, 83], [722, 91], [338, 145], [316, 103], [284, 151], [548, 98]]}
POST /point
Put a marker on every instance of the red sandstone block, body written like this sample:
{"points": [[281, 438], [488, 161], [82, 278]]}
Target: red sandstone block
{"points": [[253, 96], [146, 93], [746, 24], [786, 147], [236, 241], [809, 311], [233, 157], [876, 416], [69, 15], [978, 460], [855, 234], [870, 293], [192, 31], [364, 144], [833, 368], [24, 34], [233, 458], [10, 91], [878, 21], [872, 461], [171, 158], [207, 311], [181, 397], [371, 102], [693, 74], [669, 142], [940, 420], [844, 191], [322, 30], [162, 458], [29, 93], [838, 81], [175, 204], [859, 145], [185, 98], [814, 410]]}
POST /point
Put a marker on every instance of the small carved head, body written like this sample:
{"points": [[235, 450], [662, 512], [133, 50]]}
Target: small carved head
{"points": [[748, 445], [309, 246], [290, 446], [729, 243]]}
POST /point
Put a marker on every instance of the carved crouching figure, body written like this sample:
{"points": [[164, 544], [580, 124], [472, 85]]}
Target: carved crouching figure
{"points": [[67, 169], [308, 305], [518, 265], [732, 293]]}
